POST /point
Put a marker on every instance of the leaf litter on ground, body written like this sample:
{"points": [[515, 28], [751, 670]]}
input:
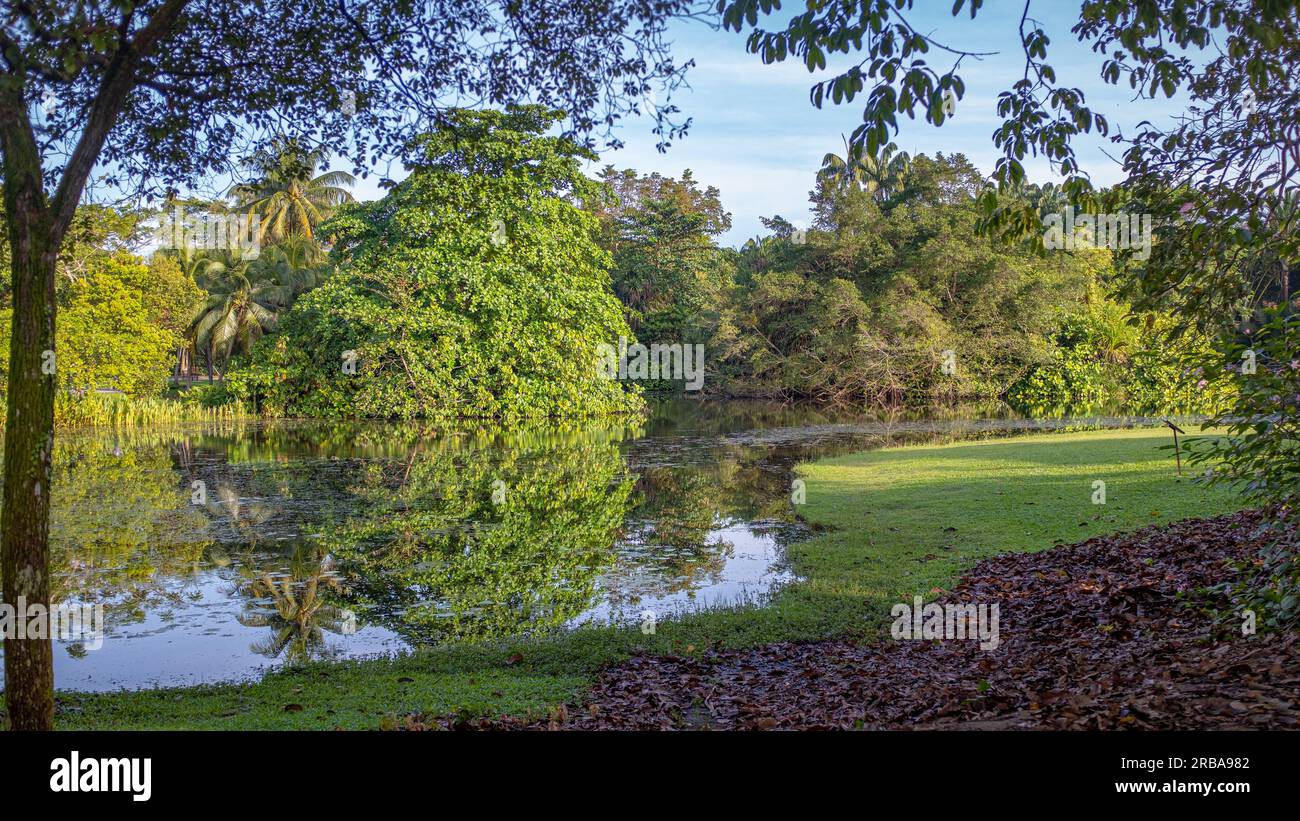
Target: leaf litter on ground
{"points": [[1117, 631]]}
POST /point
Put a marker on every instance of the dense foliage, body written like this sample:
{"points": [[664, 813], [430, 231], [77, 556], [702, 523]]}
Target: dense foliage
{"points": [[1101, 359], [661, 233], [1262, 455], [474, 289], [855, 310], [892, 282], [120, 325]]}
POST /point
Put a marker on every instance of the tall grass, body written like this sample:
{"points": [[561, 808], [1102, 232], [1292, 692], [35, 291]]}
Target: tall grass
{"points": [[115, 410]]}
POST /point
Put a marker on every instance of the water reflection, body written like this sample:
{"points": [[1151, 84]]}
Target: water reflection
{"points": [[298, 605], [219, 552], [479, 537], [121, 528]]}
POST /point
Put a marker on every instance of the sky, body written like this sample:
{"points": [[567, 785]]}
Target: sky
{"points": [[756, 136]]}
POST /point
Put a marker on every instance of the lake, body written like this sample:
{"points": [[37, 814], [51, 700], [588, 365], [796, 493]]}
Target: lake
{"points": [[218, 553]]}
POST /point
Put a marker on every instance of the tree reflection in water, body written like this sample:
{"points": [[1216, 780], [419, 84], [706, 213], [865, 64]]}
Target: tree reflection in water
{"points": [[429, 534], [296, 604], [475, 538], [121, 531]]}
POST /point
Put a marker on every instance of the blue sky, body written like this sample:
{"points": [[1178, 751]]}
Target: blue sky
{"points": [[756, 136]]}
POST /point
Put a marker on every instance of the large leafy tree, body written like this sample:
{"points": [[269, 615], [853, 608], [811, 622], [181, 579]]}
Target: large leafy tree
{"points": [[169, 295], [660, 231], [474, 289], [117, 325], [159, 92], [860, 312]]}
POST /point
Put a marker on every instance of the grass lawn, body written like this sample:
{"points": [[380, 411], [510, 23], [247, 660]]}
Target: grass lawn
{"points": [[899, 522]]}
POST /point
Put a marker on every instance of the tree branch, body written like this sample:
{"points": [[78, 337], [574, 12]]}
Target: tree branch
{"points": [[117, 84]]}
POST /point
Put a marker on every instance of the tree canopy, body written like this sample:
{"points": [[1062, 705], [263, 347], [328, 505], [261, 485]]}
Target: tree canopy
{"points": [[474, 288]]}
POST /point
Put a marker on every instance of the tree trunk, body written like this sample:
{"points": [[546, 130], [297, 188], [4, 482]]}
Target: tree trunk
{"points": [[36, 229], [29, 443]]}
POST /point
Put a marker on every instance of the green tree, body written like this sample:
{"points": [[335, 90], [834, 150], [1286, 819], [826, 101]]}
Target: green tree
{"points": [[861, 311], [666, 269], [117, 327], [168, 294], [879, 174], [97, 231], [474, 289], [236, 313]]}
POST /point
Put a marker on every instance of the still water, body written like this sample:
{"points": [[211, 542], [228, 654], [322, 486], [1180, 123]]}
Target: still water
{"points": [[220, 553]]}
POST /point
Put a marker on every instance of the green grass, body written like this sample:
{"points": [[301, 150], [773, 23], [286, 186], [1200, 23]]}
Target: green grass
{"points": [[909, 520], [901, 522]]}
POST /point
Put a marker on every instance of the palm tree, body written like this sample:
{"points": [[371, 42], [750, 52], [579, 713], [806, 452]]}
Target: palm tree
{"points": [[840, 170], [236, 313], [287, 270], [880, 175], [244, 517], [199, 266], [1046, 199], [300, 252], [287, 199], [246, 297]]}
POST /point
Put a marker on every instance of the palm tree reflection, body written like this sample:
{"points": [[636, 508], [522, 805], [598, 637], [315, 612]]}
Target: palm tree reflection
{"points": [[295, 604], [244, 516]]}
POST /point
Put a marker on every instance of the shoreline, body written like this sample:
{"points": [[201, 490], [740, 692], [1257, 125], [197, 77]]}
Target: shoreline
{"points": [[854, 568]]}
